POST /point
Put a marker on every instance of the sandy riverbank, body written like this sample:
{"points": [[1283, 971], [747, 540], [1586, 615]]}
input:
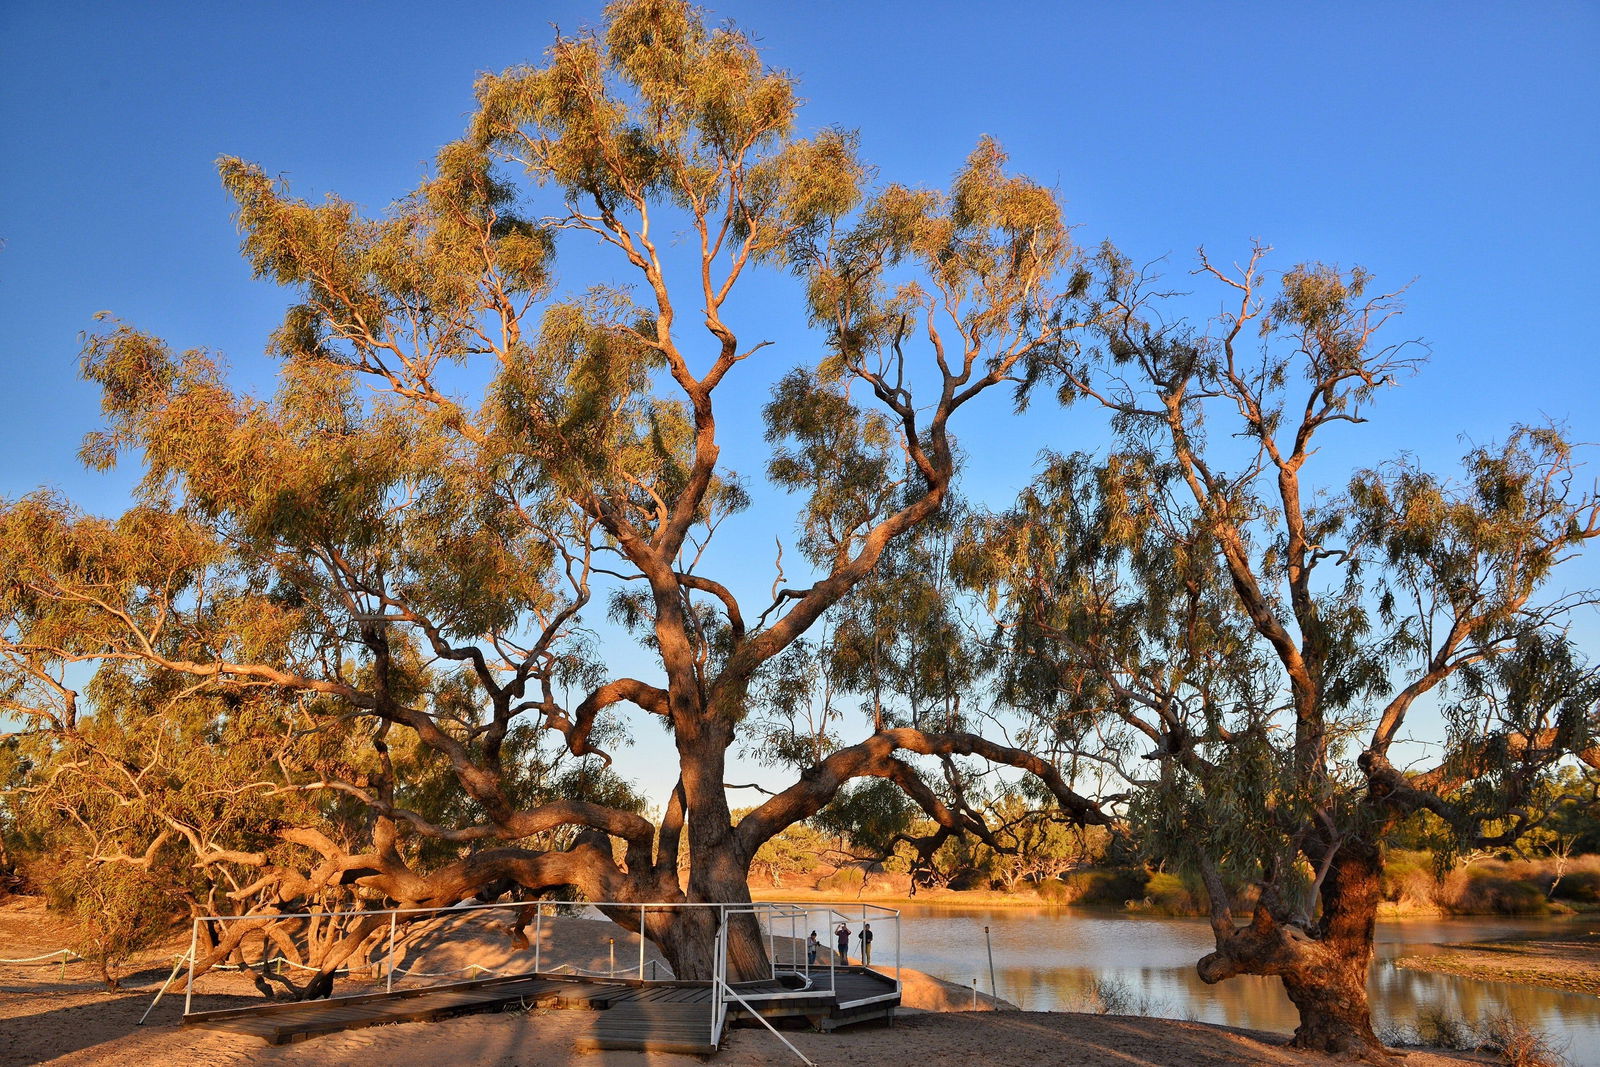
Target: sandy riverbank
{"points": [[55, 1015], [1569, 961], [99, 1030]]}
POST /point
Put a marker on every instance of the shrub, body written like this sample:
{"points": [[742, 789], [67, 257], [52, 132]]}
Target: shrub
{"points": [[1112, 996], [1519, 1044], [1053, 891], [1580, 886], [1106, 885], [1166, 894], [1441, 1028], [115, 912], [1490, 892], [844, 880], [1408, 879], [970, 878]]}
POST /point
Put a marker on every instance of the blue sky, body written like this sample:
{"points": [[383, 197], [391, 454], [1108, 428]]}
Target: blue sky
{"points": [[1454, 144]]}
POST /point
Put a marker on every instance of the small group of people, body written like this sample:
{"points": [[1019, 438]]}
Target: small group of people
{"points": [[841, 934]]}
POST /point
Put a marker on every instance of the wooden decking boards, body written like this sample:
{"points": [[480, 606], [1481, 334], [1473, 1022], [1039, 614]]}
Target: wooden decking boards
{"points": [[280, 1023], [628, 1014]]}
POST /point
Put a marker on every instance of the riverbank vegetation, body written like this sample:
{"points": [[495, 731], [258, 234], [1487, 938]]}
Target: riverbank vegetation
{"points": [[1056, 864]]}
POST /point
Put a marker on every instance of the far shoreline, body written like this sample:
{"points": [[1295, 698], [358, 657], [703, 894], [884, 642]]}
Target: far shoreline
{"points": [[989, 898]]}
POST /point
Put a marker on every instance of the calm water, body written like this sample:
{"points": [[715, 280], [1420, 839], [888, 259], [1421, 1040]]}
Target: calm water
{"points": [[1050, 958]]}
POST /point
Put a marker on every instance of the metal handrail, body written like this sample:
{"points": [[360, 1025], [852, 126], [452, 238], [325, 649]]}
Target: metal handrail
{"points": [[773, 910], [727, 991]]}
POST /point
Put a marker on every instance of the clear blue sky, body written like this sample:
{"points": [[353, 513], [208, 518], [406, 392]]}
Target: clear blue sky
{"points": [[1456, 144]]}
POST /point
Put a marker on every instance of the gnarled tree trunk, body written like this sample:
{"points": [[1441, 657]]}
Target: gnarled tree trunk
{"points": [[1324, 967]]}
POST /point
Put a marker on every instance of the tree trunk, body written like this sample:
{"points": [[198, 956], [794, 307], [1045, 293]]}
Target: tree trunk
{"points": [[688, 939], [719, 871], [1323, 969], [1331, 997]]}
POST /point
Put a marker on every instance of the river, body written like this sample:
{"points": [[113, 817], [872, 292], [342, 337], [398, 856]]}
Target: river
{"points": [[1051, 958]]}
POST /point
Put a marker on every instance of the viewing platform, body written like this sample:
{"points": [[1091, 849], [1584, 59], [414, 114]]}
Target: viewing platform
{"points": [[630, 1011], [659, 1016]]}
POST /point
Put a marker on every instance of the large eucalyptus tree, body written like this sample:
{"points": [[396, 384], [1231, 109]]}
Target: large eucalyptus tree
{"points": [[1248, 629], [408, 540]]}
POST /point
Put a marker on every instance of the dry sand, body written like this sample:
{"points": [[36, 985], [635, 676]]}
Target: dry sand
{"points": [[46, 1017]]}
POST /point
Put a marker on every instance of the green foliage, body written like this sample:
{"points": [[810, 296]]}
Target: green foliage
{"points": [[1168, 894], [1202, 606], [902, 639], [1113, 886], [798, 723], [868, 815], [1579, 886], [797, 850], [115, 913], [844, 880], [1487, 892], [339, 651]]}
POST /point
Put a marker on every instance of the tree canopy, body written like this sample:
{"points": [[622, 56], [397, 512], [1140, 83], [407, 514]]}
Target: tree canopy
{"points": [[1247, 640], [391, 563]]}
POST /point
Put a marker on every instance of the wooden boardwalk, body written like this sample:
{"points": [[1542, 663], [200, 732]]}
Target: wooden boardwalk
{"points": [[629, 1014]]}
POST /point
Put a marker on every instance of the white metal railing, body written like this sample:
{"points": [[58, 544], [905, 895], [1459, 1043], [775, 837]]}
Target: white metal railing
{"points": [[723, 993], [798, 915], [833, 916]]}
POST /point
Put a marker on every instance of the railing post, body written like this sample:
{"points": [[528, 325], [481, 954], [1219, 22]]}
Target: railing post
{"points": [[388, 986], [194, 942], [897, 987], [993, 992], [641, 942], [538, 934], [833, 957], [716, 981]]}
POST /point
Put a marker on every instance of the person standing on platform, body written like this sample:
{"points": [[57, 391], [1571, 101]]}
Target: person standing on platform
{"points": [[813, 946], [842, 935], [866, 944]]}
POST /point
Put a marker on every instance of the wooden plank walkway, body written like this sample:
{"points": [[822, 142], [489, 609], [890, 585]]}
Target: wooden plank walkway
{"points": [[278, 1024], [628, 1013]]}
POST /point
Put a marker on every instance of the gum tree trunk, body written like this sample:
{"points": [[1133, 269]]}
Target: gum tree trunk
{"points": [[1324, 968], [719, 870], [1331, 992]]}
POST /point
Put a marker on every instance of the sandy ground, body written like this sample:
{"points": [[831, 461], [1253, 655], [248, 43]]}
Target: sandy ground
{"points": [[51, 1017], [1570, 963]]}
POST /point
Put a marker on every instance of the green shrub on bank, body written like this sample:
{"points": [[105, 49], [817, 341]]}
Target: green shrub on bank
{"points": [[844, 880], [1408, 880], [1167, 894], [1581, 887], [1490, 886], [1105, 885], [115, 911], [1492, 892], [1052, 891]]}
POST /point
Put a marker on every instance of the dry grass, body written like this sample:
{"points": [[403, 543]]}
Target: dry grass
{"points": [[1515, 1042]]}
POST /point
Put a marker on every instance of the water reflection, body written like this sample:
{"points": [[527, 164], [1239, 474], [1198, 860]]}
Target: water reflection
{"points": [[1051, 958]]}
